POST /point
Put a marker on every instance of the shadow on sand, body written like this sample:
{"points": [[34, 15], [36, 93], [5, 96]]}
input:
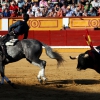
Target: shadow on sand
{"points": [[77, 81], [48, 91]]}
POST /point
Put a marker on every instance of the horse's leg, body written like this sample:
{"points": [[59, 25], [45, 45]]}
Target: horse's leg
{"points": [[2, 68], [2, 80], [3, 75], [41, 74], [2, 72]]}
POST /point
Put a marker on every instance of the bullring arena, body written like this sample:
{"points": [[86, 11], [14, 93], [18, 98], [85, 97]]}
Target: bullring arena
{"points": [[64, 82]]}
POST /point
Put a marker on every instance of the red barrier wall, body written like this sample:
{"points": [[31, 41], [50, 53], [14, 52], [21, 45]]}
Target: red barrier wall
{"points": [[63, 37]]}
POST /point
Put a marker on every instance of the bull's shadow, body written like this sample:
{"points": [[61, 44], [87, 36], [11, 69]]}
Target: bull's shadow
{"points": [[76, 81]]}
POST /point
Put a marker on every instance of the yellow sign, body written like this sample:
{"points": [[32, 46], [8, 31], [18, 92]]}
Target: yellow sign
{"points": [[84, 22], [42, 23]]}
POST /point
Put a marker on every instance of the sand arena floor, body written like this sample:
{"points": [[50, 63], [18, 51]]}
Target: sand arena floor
{"points": [[64, 83]]}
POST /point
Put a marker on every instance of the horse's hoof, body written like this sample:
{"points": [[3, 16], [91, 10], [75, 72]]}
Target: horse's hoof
{"points": [[41, 81], [11, 84], [45, 81]]}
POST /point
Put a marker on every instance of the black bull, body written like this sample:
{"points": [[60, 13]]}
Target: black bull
{"points": [[31, 50], [89, 59]]}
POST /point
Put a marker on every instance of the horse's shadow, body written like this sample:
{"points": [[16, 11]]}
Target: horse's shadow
{"points": [[76, 81]]}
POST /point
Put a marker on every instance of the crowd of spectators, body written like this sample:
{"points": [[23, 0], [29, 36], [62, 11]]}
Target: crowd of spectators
{"points": [[50, 8]]}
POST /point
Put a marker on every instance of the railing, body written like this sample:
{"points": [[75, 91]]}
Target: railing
{"points": [[54, 23], [63, 37]]}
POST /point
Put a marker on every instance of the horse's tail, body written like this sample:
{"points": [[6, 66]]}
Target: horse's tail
{"points": [[53, 54]]}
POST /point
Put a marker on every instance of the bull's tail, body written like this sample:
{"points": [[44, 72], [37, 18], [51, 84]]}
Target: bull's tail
{"points": [[73, 57], [53, 55]]}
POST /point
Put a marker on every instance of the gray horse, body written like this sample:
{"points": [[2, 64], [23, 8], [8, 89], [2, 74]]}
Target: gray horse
{"points": [[31, 50]]}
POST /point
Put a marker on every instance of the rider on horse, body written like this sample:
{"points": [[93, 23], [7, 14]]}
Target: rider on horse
{"points": [[20, 27]]}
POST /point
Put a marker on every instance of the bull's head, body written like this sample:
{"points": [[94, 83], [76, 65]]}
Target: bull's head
{"points": [[82, 61]]}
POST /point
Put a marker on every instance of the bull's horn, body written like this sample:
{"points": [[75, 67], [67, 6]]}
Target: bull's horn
{"points": [[86, 55], [73, 57]]}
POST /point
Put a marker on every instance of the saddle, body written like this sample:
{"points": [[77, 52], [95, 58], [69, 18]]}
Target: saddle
{"points": [[11, 42], [3, 48]]}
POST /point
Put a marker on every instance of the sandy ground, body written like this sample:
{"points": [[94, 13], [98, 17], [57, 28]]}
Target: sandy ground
{"points": [[64, 83]]}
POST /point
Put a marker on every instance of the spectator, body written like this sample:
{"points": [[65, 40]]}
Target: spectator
{"points": [[83, 2], [6, 13], [50, 4], [45, 12], [51, 13], [69, 12], [14, 14], [24, 9], [55, 14], [69, 2], [1, 15], [63, 9], [78, 12], [43, 3], [34, 8], [5, 2], [98, 12], [81, 6], [21, 3], [4, 7], [95, 5], [54, 1], [28, 4], [85, 13], [91, 12], [57, 7], [73, 7], [60, 13], [99, 3], [75, 1], [20, 12], [38, 13], [30, 13], [87, 6], [13, 7], [61, 3]]}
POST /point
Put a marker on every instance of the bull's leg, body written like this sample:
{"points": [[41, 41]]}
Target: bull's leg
{"points": [[41, 74]]}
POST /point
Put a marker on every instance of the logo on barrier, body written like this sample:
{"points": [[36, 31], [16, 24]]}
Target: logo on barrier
{"points": [[33, 23], [94, 22]]}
